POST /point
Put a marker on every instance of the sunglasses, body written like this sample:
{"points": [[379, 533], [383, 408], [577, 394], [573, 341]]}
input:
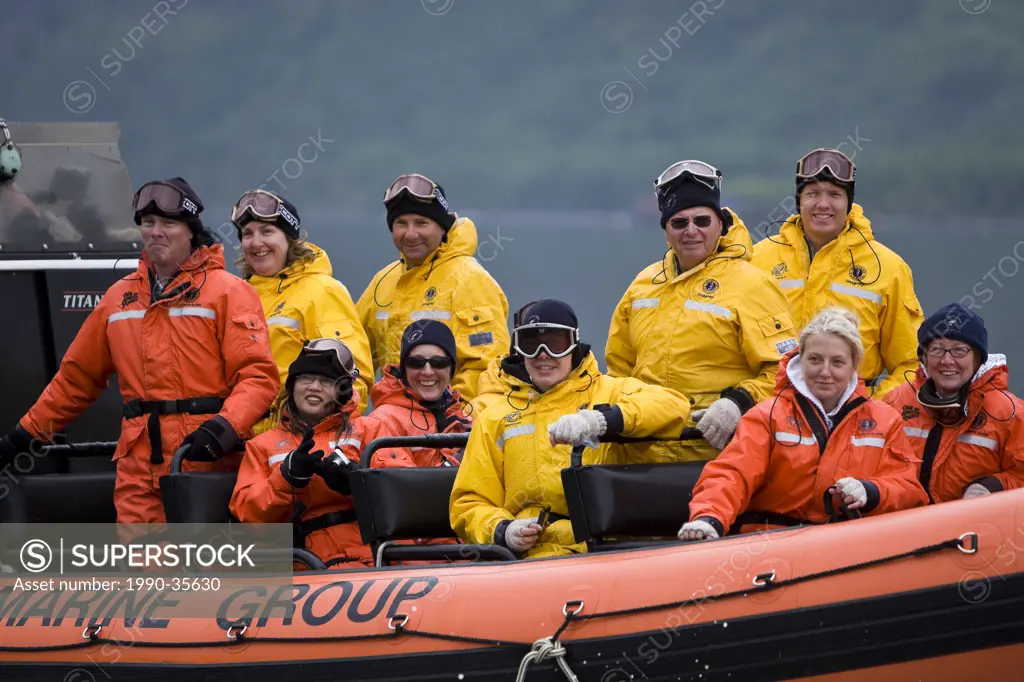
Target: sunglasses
{"points": [[831, 161], [166, 197], [554, 339], [703, 173], [263, 205], [698, 221], [436, 362]]}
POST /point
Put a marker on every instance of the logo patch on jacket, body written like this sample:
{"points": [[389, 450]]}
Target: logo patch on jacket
{"points": [[429, 295], [513, 417], [857, 273], [708, 288], [481, 339], [867, 424], [910, 412], [279, 308], [779, 270], [129, 298], [978, 422], [190, 296], [785, 346]]}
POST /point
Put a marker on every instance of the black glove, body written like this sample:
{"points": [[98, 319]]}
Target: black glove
{"points": [[14, 443], [334, 470], [211, 441], [300, 464]]}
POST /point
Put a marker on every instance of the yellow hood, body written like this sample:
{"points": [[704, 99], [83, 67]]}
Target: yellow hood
{"points": [[319, 265]]}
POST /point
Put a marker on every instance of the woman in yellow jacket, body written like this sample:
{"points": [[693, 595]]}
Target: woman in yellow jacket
{"points": [[826, 255], [301, 299], [556, 397], [436, 278], [703, 320]]}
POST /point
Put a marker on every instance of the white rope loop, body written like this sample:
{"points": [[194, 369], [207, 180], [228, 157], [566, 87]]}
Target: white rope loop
{"points": [[542, 650]]}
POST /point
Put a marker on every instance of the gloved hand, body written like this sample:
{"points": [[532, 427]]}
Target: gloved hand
{"points": [[697, 530], [718, 422], [579, 428], [300, 464], [14, 443], [976, 490], [522, 534], [212, 440], [334, 470], [852, 492]]}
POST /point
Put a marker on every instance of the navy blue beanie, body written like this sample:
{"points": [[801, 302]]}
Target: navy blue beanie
{"points": [[423, 332], [955, 322]]}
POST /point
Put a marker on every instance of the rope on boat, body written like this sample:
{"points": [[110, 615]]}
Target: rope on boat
{"points": [[572, 610], [542, 650]]}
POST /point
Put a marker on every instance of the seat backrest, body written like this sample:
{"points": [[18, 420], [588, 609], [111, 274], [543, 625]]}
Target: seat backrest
{"points": [[198, 497], [403, 503], [60, 498], [629, 500]]}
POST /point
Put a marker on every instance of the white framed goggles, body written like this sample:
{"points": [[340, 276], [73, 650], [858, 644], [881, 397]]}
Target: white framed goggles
{"points": [[557, 340], [341, 353], [704, 173]]}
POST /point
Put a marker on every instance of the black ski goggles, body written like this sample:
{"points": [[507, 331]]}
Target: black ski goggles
{"points": [[704, 173], [166, 198], [556, 340], [826, 161]]}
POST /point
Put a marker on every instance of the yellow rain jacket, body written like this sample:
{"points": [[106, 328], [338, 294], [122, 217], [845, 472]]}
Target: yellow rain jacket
{"points": [[305, 302], [491, 386], [855, 272], [717, 330], [511, 471], [450, 286]]}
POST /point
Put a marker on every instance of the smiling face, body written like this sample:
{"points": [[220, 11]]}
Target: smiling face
{"points": [[425, 380], [167, 243], [693, 234], [416, 237], [546, 371], [314, 396], [823, 211], [265, 248], [827, 361], [948, 371]]}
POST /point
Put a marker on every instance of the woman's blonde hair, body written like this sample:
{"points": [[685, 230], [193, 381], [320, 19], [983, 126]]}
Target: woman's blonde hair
{"points": [[298, 251], [838, 322]]}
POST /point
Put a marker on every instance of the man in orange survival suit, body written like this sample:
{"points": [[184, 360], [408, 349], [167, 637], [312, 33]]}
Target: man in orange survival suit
{"points": [[189, 343]]}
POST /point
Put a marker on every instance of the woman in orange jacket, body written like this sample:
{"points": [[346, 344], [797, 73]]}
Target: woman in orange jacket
{"points": [[415, 397], [963, 423], [285, 474], [819, 444]]}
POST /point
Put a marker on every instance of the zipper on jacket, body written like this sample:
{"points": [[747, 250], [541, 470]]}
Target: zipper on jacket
{"points": [[931, 448]]}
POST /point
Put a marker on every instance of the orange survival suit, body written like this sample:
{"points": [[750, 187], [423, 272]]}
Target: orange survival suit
{"points": [[198, 351], [985, 445], [324, 520], [784, 457]]}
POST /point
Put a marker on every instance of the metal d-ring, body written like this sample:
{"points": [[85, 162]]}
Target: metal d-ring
{"points": [[974, 545], [232, 635], [764, 579], [91, 631], [392, 625], [579, 609]]}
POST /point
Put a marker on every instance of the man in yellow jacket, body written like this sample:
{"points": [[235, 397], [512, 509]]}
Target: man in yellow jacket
{"points": [[702, 320], [556, 397], [436, 278], [826, 255]]}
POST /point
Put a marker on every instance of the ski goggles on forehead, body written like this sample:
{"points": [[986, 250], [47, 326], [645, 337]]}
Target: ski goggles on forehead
{"points": [[819, 161], [554, 339], [166, 197], [340, 351], [703, 173], [418, 187], [263, 205]]}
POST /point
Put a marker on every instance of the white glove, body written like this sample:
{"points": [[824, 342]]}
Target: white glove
{"points": [[976, 490], [697, 530], [718, 422], [852, 492], [579, 428], [521, 535]]}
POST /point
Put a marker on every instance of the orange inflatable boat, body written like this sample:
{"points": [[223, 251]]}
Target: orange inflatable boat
{"points": [[933, 594]]}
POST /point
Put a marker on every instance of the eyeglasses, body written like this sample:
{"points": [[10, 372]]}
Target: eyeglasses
{"points": [[342, 354], [556, 340], [436, 362], [703, 173], [819, 161], [419, 187], [309, 379], [166, 197], [259, 203], [958, 352], [681, 223]]}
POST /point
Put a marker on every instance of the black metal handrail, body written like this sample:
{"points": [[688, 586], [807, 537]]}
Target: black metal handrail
{"points": [[438, 440], [88, 449]]}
